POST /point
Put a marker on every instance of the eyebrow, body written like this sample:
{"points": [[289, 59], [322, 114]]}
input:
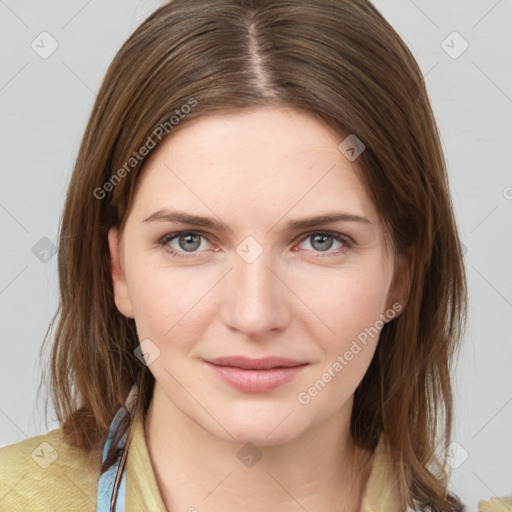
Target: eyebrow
{"points": [[212, 223]]}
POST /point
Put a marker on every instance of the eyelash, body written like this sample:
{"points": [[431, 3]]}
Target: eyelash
{"points": [[346, 240]]}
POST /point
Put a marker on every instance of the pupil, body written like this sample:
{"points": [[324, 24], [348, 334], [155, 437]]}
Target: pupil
{"points": [[322, 237], [187, 246]]}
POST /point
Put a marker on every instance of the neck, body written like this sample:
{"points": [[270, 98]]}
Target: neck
{"points": [[198, 471]]}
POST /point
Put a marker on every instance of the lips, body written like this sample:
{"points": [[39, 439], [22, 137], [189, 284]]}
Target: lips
{"points": [[246, 363], [256, 375]]}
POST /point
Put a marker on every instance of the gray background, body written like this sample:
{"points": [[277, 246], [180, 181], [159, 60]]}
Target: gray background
{"points": [[44, 106]]}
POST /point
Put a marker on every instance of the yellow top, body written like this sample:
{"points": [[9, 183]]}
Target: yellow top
{"points": [[43, 473]]}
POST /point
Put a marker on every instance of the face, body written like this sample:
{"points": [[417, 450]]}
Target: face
{"points": [[253, 279]]}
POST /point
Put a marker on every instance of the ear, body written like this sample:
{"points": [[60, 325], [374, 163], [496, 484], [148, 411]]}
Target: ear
{"points": [[400, 286], [121, 294]]}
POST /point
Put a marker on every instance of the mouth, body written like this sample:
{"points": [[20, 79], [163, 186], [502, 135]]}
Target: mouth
{"points": [[256, 375], [266, 363]]}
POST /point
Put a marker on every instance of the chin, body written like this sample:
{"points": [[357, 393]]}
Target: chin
{"points": [[272, 427], [260, 437]]}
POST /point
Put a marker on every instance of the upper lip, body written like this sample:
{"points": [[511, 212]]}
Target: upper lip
{"points": [[246, 363]]}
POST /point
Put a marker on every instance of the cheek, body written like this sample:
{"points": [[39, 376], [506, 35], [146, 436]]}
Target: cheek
{"points": [[351, 310], [166, 299], [348, 301], [349, 304]]}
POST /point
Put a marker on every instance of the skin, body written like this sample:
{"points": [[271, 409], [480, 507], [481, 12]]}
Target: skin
{"points": [[254, 171]]}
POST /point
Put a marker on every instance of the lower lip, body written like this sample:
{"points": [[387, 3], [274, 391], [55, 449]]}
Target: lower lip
{"points": [[256, 381]]}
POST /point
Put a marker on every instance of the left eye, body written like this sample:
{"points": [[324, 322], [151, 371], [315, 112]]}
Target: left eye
{"points": [[323, 241], [190, 241]]}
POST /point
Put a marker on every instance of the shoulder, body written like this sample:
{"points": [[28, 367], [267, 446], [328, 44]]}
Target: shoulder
{"points": [[382, 493], [496, 504], [45, 473]]}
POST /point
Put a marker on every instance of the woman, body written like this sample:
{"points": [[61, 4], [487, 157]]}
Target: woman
{"points": [[262, 286]]}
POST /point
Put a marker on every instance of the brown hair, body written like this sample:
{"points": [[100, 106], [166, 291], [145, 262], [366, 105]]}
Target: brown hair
{"points": [[339, 60]]}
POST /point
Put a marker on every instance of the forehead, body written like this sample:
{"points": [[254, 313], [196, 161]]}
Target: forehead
{"points": [[258, 164]]}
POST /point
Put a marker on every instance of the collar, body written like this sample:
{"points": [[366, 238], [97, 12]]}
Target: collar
{"points": [[142, 492]]}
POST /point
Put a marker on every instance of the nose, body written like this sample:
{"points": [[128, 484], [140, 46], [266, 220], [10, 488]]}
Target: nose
{"points": [[256, 301]]}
